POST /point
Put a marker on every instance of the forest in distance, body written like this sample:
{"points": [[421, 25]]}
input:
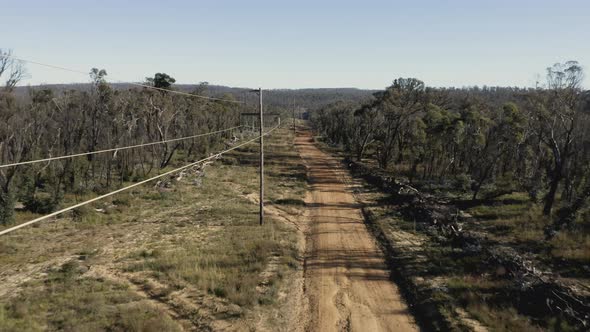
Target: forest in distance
{"points": [[495, 140]]}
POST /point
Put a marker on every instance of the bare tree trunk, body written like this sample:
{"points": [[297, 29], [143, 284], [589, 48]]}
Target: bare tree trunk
{"points": [[550, 197]]}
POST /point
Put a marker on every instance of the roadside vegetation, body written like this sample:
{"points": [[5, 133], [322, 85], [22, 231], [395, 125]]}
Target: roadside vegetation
{"points": [[480, 196], [186, 254], [47, 123]]}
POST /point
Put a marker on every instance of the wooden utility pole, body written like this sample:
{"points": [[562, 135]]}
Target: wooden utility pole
{"points": [[293, 107], [261, 116], [261, 157]]}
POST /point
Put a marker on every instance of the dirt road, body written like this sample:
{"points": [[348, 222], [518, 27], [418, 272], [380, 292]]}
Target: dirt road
{"points": [[346, 278]]}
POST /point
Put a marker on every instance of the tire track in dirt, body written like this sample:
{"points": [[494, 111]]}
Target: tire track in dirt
{"points": [[346, 278]]}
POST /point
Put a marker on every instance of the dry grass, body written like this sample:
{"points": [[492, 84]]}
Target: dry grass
{"points": [[572, 246], [65, 301], [516, 221], [204, 238]]}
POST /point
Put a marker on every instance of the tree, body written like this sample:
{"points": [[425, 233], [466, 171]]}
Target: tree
{"points": [[366, 119], [97, 76], [442, 135], [502, 138], [16, 133], [558, 110], [14, 69], [398, 103], [161, 81]]}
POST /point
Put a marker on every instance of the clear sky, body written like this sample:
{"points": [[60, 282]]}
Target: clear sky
{"points": [[302, 43]]}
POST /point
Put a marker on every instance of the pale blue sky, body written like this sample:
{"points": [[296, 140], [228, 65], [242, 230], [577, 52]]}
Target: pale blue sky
{"points": [[296, 44]]}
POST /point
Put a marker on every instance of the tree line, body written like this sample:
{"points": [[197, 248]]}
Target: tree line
{"points": [[46, 123], [492, 140]]}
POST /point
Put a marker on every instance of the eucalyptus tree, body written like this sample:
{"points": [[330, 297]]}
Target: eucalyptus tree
{"points": [[161, 81], [12, 71], [558, 112], [397, 104], [366, 119], [437, 126], [503, 136]]}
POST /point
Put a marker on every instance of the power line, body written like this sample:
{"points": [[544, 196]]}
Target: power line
{"points": [[130, 83], [114, 149], [11, 229]]}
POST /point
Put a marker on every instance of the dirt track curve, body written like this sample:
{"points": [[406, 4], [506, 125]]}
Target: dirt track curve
{"points": [[346, 277]]}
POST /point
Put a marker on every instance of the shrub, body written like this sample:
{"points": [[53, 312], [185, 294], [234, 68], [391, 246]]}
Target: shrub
{"points": [[82, 213], [462, 182]]}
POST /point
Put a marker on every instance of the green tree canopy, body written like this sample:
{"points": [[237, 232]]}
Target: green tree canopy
{"points": [[161, 81]]}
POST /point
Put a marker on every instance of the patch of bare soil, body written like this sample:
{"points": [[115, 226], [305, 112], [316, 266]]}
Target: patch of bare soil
{"points": [[292, 308]]}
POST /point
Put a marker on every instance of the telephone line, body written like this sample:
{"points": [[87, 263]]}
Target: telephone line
{"points": [[114, 149], [11, 229], [130, 83]]}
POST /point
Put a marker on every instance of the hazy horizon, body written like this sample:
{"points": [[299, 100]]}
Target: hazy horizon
{"points": [[25, 85], [299, 45]]}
